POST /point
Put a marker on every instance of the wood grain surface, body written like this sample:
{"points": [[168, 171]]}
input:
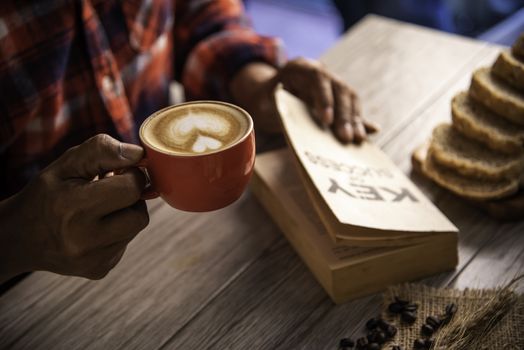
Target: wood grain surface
{"points": [[228, 279]]}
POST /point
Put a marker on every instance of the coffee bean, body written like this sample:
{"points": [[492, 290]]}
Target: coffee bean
{"points": [[391, 331], [451, 309], [381, 338], [411, 307], [372, 336], [362, 343], [433, 321], [346, 343], [382, 324], [395, 308], [408, 317], [445, 320], [376, 336], [427, 330], [396, 347], [401, 301], [419, 344], [371, 324], [373, 346]]}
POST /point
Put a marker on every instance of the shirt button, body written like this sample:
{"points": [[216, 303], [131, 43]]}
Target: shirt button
{"points": [[107, 84]]}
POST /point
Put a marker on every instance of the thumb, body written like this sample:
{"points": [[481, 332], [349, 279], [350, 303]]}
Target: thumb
{"points": [[98, 155]]}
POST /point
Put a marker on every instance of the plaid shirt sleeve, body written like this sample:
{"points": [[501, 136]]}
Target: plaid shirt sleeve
{"points": [[213, 41]]}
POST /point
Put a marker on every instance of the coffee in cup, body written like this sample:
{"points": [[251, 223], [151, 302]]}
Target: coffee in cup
{"points": [[199, 155], [195, 129]]}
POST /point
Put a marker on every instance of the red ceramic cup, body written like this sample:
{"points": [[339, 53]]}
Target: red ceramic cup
{"points": [[200, 182]]}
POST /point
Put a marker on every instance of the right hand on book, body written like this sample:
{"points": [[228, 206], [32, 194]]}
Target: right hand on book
{"points": [[332, 102]]}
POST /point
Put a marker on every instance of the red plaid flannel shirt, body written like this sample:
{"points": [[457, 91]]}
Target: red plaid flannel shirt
{"points": [[72, 69]]}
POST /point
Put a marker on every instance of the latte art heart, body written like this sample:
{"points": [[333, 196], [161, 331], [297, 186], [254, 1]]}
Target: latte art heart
{"points": [[195, 130], [202, 129], [204, 143]]}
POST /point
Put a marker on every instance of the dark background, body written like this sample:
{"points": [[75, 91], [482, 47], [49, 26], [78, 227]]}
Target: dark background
{"points": [[309, 27]]}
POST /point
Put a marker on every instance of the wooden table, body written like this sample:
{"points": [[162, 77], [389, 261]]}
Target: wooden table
{"points": [[228, 279]]}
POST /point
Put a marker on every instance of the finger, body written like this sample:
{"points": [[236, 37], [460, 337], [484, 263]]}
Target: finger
{"points": [[116, 258], [106, 175], [371, 127], [123, 225], [98, 155], [359, 130], [319, 97], [308, 81], [322, 96], [119, 227], [113, 193], [356, 120], [342, 127], [98, 264]]}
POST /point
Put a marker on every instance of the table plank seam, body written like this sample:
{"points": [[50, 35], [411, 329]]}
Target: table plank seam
{"points": [[317, 321], [220, 291], [56, 310], [282, 244], [456, 275]]}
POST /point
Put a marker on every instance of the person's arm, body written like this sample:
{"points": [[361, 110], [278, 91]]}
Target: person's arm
{"points": [[213, 42], [65, 222]]}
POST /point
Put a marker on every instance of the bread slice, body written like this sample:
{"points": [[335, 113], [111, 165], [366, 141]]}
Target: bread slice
{"points": [[508, 68], [476, 122], [471, 158], [518, 47], [472, 188], [497, 96], [511, 208]]}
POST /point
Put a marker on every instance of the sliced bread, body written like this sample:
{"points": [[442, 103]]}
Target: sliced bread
{"points": [[508, 68], [497, 96], [510, 208], [472, 188], [471, 158], [518, 47], [475, 121]]}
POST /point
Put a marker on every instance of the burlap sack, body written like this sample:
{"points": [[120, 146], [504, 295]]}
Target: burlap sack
{"points": [[508, 333]]}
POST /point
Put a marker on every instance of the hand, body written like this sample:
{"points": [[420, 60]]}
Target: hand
{"points": [[332, 102], [66, 222]]}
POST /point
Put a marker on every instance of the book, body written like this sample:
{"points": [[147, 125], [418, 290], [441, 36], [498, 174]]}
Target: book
{"points": [[360, 196], [344, 271]]}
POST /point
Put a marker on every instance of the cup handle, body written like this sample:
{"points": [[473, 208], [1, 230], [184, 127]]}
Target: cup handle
{"points": [[149, 191]]}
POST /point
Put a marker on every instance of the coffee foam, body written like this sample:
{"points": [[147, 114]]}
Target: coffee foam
{"points": [[195, 129]]}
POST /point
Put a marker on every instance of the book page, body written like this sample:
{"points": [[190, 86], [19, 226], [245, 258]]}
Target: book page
{"points": [[359, 183], [285, 178]]}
